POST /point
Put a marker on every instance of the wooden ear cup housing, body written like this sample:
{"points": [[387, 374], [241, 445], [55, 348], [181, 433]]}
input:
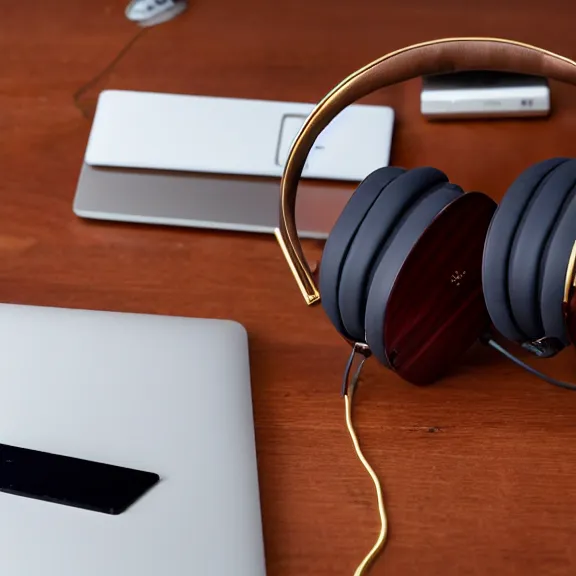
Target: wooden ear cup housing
{"points": [[436, 309]]}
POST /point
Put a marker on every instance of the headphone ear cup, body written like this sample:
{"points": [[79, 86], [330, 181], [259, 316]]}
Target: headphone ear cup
{"points": [[554, 268], [425, 306], [405, 236], [339, 240], [525, 267], [498, 246], [371, 239]]}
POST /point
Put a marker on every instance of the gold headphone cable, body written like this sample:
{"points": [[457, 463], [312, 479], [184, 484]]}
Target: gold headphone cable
{"points": [[348, 393]]}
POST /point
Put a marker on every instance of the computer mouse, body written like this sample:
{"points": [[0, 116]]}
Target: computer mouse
{"points": [[153, 12]]}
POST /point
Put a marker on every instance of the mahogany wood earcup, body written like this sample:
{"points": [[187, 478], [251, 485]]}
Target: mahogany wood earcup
{"points": [[392, 259], [435, 309]]}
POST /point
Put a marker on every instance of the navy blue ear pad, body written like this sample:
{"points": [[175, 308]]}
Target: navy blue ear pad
{"points": [[342, 234], [373, 237], [498, 245], [553, 270], [536, 224], [406, 234]]}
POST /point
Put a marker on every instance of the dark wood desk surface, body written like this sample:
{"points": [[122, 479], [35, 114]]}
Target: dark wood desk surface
{"points": [[479, 471]]}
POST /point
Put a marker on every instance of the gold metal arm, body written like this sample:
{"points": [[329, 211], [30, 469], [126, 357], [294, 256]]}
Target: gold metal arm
{"points": [[437, 56]]}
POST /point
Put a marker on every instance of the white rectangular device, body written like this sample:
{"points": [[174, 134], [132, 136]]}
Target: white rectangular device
{"points": [[232, 136], [167, 395], [208, 162], [480, 94]]}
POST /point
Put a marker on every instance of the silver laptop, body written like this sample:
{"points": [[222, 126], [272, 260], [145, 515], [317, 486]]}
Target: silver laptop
{"points": [[215, 162], [167, 395]]}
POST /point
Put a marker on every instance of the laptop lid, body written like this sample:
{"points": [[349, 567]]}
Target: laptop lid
{"points": [[168, 395]]}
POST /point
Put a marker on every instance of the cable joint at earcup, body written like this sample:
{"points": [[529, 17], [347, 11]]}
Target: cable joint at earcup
{"points": [[544, 347]]}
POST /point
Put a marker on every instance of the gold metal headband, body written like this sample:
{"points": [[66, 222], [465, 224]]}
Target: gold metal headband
{"points": [[437, 56]]}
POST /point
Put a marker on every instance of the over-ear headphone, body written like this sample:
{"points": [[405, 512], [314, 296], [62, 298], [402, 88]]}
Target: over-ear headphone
{"points": [[415, 270]]}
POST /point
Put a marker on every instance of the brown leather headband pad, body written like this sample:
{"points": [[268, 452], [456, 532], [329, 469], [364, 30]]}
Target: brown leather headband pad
{"points": [[454, 55]]}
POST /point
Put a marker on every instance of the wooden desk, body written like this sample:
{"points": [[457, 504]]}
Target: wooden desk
{"points": [[479, 470]]}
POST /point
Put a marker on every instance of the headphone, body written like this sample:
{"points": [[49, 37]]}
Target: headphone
{"points": [[416, 270]]}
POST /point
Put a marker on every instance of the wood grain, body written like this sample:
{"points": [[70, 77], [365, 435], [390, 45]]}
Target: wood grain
{"points": [[478, 469], [436, 309]]}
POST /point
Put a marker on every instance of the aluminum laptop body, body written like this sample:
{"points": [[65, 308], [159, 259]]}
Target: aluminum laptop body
{"points": [[168, 395]]}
